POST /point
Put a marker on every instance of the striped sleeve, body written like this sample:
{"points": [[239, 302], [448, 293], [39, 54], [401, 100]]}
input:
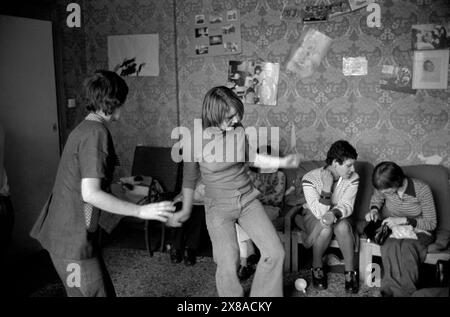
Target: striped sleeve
{"points": [[377, 200], [347, 197], [427, 221], [317, 204]]}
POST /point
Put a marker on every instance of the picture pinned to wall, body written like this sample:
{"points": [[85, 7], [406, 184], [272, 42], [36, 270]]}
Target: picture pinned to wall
{"points": [[354, 66], [134, 55], [315, 13], [339, 8], [430, 36], [430, 69], [217, 33], [254, 82], [291, 12], [397, 78], [307, 57]]}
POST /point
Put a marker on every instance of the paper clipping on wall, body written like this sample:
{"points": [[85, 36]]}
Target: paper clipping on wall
{"points": [[354, 66], [134, 55], [397, 78], [306, 58]]}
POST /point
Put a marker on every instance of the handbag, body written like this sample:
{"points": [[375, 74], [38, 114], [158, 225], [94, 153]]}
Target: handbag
{"points": [[382, 234]]}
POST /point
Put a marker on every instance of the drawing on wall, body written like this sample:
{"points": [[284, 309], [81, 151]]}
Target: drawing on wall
{"points": [[397, 78], [254, 82], [216, 34], [134, 55], [354, 66], [308, 56], [430, 36], [430, 69]]}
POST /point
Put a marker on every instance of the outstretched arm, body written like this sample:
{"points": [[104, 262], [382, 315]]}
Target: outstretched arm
{"points": [[267, 161], [92, 193]]}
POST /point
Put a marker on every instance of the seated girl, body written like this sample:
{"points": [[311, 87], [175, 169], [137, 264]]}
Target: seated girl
{"points": [[330, 193], [400, 200]]}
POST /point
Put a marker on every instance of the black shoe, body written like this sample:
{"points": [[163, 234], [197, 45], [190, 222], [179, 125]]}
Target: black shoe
{"points": [[351, 282], [190, 257], [253, 260], [319, 278], [176, 256], [244, 272]]}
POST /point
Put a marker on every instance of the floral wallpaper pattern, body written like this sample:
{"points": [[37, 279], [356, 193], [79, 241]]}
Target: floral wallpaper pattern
{"points": [[311, 113], [383, 125]]}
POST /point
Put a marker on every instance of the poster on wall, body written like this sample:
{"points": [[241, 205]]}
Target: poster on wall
{"points": [[134, 55], [430, 36], [430, 69], [254, 82], [215, 34], [354, 66], [397, 78]]}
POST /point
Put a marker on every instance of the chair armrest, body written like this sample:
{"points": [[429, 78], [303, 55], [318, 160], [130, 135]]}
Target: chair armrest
{"points": [[288, 218]]}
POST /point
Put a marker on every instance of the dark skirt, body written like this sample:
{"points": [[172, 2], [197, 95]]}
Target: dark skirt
{"points": [[311, 227]]}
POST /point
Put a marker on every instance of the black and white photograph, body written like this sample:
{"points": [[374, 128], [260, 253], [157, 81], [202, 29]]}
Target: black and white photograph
{"points": [[200, 19], [201, 32], [316, 13], [430, 36], [232, 15], [430, 69], [211, 156]]}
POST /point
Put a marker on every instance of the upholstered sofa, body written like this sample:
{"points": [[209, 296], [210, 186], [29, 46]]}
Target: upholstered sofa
{"points": [[435, 175]]}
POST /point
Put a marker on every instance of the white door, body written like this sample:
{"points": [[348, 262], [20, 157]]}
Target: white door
{"points": [[28, 113]]}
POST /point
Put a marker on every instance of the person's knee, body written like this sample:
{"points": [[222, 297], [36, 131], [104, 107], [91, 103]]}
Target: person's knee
{"points": [[273, 255], [342, 228]]}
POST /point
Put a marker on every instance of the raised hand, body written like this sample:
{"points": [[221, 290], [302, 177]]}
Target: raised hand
{"points": [[327, 179], [157, 211]]}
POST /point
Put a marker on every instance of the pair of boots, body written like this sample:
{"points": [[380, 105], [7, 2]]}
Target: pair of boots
{"points": [[319, 279], [189, 256]]}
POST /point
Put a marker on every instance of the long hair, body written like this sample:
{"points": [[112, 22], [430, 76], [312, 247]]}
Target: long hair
{"points": [[217, 104], [106, 91]]}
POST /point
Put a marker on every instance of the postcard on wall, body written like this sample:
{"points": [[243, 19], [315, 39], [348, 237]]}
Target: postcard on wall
{"points": [[397, 78], [315, 13], [430, 36], [358, 4], [339, 8], [354, 66], [134, 55], [291, 13], [218, 33], [430, 69], [254, 82]]}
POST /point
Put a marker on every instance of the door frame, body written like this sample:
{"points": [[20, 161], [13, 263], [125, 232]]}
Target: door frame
{"points": [[46, 10]]}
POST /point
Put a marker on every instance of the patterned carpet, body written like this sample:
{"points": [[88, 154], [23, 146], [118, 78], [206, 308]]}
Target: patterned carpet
{"points": [[136, 274]]}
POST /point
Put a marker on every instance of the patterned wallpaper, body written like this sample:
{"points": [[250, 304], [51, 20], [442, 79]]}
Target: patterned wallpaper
{"points": [[150, 112], [383, 125]]}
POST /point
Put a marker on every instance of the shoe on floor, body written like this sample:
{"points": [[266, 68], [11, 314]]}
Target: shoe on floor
{"points": [[319, 278], [351, 282], [244, 272], [176, 256], [190, 258]]}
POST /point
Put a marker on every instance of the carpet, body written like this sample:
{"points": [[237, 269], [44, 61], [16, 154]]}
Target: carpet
{"points": [[136, 274]]}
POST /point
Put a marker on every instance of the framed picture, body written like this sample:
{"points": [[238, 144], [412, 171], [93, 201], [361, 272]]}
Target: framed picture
{"points": [[429, 36], [397, 78], [430, 69]]}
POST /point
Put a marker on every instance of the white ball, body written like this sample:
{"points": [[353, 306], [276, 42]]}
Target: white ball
{"points": [[300, 284]]}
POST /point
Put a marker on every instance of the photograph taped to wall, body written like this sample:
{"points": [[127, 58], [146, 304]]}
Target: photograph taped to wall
{"points": [[397, 78], [430, 70], [219, 34], [134, 55], [354, 66], [254, 82], [317, 13], [339, 8], [430, 36]]}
